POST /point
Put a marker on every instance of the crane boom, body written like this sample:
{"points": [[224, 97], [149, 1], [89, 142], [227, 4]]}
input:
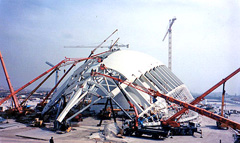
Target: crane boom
{"points": [[201, 111], [92, 52], [14, 97], [171, 21], [76, 60], [116, 45], [200, 98], [154, 93]]}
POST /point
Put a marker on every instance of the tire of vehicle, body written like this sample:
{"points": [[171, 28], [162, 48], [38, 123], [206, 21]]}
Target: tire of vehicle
{"points": [[127, 132], [155, 136], [138, 134], [190, 132]]}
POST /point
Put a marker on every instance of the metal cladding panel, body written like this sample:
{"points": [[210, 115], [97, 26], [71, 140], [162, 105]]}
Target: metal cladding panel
{"points": [[131, 64]]}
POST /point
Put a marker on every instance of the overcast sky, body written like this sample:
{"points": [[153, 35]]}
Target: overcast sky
{"points": [[206, 35]]}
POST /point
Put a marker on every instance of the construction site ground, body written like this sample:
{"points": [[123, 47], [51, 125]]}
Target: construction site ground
{"points": [[16, 132], [85, 132]]}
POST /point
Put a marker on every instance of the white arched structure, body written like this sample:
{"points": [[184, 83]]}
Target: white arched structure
{"points": [[135, 67]]}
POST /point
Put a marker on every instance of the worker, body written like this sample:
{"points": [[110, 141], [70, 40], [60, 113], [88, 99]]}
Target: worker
{"points": [[140, 121], [51, 140]]}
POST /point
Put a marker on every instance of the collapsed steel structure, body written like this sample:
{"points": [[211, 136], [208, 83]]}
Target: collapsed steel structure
{"points": [[132, 66]]}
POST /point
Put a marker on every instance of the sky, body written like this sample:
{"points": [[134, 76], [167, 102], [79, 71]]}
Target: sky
{"points": [[206, 36]]}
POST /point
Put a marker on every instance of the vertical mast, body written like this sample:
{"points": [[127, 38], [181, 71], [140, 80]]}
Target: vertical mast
{"points": [[169, 32], [170, 47]]}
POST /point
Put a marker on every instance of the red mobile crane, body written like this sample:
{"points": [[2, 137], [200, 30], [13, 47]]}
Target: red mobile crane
{"points": [[75, 60], [13, 93], [186, 106], [200, 98], [14, 97]]}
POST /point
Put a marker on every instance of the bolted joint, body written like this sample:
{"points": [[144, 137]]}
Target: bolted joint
{"points": [[93, 72], [102, 67]]}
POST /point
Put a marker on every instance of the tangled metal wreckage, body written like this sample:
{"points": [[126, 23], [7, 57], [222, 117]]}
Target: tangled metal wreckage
{"points": [[135, 67]]}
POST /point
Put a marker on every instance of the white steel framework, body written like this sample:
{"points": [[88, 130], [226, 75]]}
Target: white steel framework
{"points": [[138, 68]]}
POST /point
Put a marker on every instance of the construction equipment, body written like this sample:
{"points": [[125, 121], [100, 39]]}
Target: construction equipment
{"points": [[95, 47], [156, 128], [50, 93], [14, 97], [169, 32], [116, 45], [100, 45], [62, 63], [219, 124], [134, 126], [200, 98], [37, 123]]}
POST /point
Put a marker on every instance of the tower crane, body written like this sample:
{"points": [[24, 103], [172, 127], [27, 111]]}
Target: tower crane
{"points": [[169, 33], [116, 45], [100, 45]]}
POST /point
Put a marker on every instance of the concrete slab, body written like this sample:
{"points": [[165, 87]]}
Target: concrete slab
{"points": [[10, 123], [20, 133], [7, 125]]}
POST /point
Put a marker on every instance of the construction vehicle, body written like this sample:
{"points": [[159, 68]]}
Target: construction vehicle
{"points": [[164, 128], [200, 98], [37, 123], [150, 124], [219, 124], [64, 62]]}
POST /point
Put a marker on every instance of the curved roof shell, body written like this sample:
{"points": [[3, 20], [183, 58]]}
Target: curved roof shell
{"points": [[131, 64], [135, 67]]}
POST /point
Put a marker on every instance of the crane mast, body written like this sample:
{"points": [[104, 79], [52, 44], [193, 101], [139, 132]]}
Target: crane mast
{"points": [[169, 32]]}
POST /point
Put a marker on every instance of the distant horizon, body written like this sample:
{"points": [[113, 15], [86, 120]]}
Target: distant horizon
{"points": [[193, 93]]}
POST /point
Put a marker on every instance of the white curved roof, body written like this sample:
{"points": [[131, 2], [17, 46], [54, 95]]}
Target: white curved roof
{"points": [[131, 64]]}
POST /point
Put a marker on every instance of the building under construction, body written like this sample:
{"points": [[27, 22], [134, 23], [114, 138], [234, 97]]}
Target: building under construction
{"points": [[150, 98], [132, 66]]}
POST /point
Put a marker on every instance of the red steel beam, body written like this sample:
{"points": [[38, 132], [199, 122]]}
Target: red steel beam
{"points": [[14, 97], [35, 79], [76, 60], [37, 87], [32, 81], [200, 98], [201, 111], [42, 103]]}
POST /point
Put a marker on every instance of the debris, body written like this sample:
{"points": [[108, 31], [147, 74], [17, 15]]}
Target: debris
{"points": [[2, 119], [111, 129]]}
